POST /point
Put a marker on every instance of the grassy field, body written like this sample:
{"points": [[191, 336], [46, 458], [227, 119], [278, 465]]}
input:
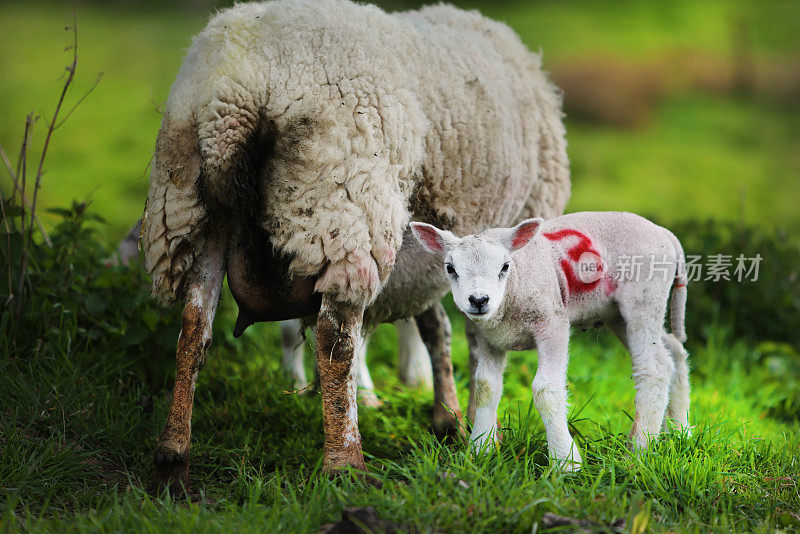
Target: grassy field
{"points": [[78, 432], [82, 402], [699, 154]]}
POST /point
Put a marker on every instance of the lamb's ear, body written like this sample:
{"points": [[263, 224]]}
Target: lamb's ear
{"points": [[521, 234], [432, 238]]}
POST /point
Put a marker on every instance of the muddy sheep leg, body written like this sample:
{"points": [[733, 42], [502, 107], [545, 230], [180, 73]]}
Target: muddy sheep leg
{"points": [[338, 337], [171, 468], [434, 327]]}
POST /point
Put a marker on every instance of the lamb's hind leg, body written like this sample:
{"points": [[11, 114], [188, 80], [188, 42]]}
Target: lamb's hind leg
{"points": [[202, 296], [678, 407], [434, 327], [652, 374], [366, 388], [678, 404]]}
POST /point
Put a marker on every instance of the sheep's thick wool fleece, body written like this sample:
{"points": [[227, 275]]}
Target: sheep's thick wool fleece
{"points": [[368, 118]]}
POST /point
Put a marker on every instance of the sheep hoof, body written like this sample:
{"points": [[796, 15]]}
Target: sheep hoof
{"points": [[448, 428], [171, 471], [369, 480], [355, 470]]}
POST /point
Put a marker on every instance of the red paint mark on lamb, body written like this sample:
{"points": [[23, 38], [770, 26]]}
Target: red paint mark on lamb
{"points": [[574, 284], [583, 247]]}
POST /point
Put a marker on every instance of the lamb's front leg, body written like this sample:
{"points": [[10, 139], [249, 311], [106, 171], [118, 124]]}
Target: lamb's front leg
{"points": [[487, 388], [472, 342], [550, 393], [338, 337]]}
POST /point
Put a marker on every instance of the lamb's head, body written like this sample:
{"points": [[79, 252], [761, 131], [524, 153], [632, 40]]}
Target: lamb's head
{"points": [[477, 265]]}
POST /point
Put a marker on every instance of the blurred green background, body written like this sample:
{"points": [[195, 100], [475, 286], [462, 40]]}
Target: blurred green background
{"points": [[674, 109]]}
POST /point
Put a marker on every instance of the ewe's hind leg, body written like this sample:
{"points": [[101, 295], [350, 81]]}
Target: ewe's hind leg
{"points": [[434, 327], [292, 345], [414, 365], [678, 407], [550, 394], [292, 342], [338, 334], [652, 374], [202, 296]]}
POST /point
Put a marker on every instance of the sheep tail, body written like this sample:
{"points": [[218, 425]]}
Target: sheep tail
{"points": [[677, 310]]}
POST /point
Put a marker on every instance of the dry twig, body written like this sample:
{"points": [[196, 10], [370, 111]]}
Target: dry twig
{"points": [[28, 215]]}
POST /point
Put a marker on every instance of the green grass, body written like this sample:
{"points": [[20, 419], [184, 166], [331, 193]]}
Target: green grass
{"points": [[78, 446], [79, 419], [699, 155]]}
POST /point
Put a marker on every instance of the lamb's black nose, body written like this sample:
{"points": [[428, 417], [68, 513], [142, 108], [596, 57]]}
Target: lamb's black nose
{"points": [[478, 302]]}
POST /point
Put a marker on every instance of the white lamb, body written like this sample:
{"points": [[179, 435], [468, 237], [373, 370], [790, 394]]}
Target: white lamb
{"points": [[523, 287]]}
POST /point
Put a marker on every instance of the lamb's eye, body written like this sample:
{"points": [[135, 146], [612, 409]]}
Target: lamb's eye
{"points": [[451, 270], [504, 269]]}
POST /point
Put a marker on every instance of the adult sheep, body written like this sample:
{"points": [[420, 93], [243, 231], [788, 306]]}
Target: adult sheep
{"points": [[298, 140]]}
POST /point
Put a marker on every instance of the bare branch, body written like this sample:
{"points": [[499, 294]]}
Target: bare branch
{"points": [[51, 128], [39, 172], [81, 99], [8, 248], [25, 200], [22, 175]]}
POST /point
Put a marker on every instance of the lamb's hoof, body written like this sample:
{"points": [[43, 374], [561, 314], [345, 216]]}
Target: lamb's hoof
{"points": [[170, 471], [414, 381], [569, 463], [448, 427], [568, 466]]}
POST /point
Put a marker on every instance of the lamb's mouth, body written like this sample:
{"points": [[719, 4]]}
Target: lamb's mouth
{"points": [[477, 314]]}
